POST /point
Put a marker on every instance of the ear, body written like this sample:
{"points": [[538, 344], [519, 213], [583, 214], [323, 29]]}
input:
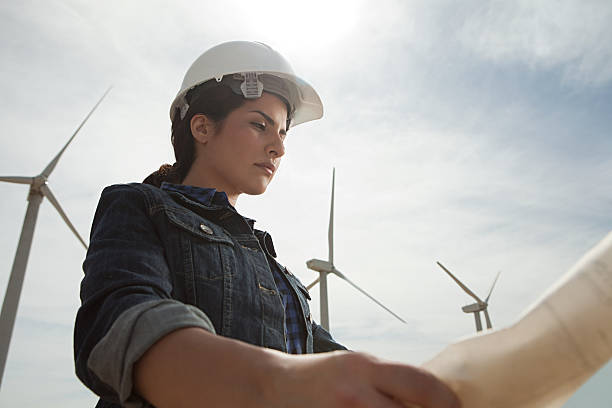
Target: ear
{"points": [[201, 128]]}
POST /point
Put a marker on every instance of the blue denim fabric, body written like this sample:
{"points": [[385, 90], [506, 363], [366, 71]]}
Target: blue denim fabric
{"points": [[147, 244], [295, 331]]}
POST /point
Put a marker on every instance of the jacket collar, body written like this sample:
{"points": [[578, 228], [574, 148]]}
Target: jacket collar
{"points": [[208, 197]]}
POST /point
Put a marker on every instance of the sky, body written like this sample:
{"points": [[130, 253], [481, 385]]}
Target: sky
{"points": [[474, 133]]}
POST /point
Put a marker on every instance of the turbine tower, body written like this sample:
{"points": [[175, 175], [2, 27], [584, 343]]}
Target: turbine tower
{"points": [[479, 306], [38, 189], [327, 267]]}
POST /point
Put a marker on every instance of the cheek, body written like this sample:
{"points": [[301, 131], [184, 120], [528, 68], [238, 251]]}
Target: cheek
{"points": [[238, 148], [234, 147], [251, 147]]}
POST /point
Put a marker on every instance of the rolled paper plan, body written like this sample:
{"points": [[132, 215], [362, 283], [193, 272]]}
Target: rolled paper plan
{"points": [[542, 359]]}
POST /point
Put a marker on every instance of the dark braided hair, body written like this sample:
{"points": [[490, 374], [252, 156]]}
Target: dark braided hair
{"points": [[216, 102]]}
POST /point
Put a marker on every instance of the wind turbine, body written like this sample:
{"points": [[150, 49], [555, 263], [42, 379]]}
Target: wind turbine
{"points": [[38, 189], [479, 306], [327, 267]]}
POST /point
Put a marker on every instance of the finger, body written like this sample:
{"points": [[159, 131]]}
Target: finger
{"points": [[413, 385]]}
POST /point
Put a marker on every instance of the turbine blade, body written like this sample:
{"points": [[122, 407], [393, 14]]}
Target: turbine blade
{"points": [[341, 275], [465, 288], [47, 171], [330, 231], [313, 283], [492, 286], [17, 179], [47, 192]]}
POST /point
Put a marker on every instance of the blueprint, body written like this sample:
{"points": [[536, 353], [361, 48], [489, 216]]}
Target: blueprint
{"points": [[543, 358]]}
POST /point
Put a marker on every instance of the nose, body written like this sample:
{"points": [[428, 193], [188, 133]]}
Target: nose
{"points": [[277, 147]]}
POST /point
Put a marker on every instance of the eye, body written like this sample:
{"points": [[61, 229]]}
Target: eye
{"points": [[259, 125]]}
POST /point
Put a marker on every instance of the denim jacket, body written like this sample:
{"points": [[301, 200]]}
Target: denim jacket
{"points": [[159, 261]]}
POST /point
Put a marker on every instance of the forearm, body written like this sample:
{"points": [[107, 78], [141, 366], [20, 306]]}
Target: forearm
{"points": [[195, 368]]}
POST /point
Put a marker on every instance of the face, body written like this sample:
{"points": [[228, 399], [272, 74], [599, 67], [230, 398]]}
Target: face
{"points": [[243, 153]]}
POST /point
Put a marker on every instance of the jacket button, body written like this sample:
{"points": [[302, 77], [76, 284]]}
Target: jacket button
{"points": [[206, 229]]}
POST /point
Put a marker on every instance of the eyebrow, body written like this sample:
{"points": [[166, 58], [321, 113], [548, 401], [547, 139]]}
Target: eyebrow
{"points": [[267, 118]]}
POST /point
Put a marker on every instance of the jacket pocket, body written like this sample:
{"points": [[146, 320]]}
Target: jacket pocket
{"points": [[207, 250]]}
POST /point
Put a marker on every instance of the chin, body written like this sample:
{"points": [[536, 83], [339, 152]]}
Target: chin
{"points": [[256, 189], [255, 185]]}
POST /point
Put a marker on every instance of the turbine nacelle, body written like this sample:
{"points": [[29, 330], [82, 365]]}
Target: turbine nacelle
{"points": [[38, 184], [474, 307], [320, 266], [38, 181]]}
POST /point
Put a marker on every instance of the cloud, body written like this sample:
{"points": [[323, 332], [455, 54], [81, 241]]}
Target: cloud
{"points": [[572, 36]]}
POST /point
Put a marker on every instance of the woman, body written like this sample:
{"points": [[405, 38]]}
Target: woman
{"points": [[184, 303]]}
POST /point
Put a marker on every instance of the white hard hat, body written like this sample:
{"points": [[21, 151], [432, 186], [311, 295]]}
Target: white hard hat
{"points": [[250, 68]]}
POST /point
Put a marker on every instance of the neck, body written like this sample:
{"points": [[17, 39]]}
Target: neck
{"points": [[196, 179]]}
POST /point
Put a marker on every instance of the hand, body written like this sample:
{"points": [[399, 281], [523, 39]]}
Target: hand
{"points": [[344, 379]]}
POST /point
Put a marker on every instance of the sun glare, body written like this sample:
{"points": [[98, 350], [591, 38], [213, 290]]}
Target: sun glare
{"points": [[316, 24]]}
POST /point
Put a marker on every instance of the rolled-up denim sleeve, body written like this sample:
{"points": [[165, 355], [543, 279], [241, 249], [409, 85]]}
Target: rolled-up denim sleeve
{"points": [[137, 329], [126, 296]]}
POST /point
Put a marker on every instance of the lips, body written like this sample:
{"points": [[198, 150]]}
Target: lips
{"points": [[269, 167]]}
